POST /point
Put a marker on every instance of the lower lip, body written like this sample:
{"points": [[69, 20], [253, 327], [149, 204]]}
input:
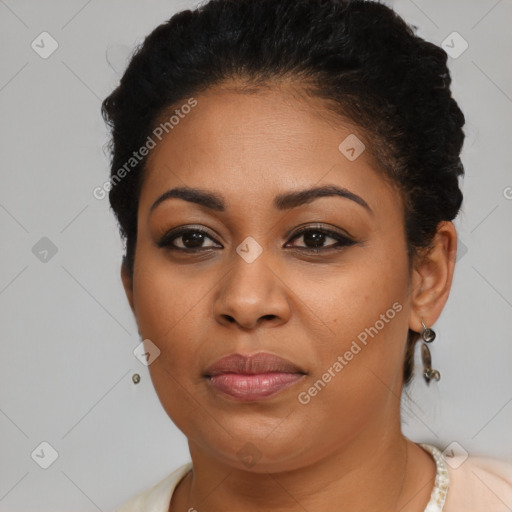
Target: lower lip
{"points": [[248, 387]]}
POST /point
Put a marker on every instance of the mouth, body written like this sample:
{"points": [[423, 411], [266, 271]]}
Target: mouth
{"points": [[252, 378]]}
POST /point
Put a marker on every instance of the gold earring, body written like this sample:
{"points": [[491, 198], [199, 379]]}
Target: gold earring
{"points": [[429, 373]]}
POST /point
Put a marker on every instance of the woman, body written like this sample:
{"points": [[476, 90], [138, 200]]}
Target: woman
{"points": [[285, 174]]}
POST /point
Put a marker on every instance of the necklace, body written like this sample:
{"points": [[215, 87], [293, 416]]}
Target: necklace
{"points": [[442, 479], [442, 482]]}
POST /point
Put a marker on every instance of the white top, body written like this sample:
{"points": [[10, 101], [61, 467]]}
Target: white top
{"points": [[475, 484]]}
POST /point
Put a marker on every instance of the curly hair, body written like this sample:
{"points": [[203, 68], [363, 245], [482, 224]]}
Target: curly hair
{"points": [[357, 56]]}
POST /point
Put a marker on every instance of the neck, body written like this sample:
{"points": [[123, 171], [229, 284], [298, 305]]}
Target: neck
{"points": [[377, 471]]}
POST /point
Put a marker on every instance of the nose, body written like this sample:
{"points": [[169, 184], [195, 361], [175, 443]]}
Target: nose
{"points": [[251, 294]]}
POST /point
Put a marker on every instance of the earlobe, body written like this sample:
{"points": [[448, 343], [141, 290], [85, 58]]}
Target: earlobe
{"points": [[127, 280], [433, 277]]}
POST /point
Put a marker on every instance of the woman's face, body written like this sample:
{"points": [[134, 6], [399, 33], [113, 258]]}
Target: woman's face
{"points": [[340, 315]]}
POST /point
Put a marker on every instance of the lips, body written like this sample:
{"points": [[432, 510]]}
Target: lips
{"points": [[253, 377], [260, 362]]}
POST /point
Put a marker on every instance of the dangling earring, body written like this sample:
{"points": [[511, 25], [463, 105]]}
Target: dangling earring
{"points": [[429, 373]]}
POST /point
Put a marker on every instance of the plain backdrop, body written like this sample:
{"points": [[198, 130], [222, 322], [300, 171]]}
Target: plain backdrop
{"points": [[67, 332]]}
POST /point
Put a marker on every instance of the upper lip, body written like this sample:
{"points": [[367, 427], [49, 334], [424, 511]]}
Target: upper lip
{"points": [[260, 362]]}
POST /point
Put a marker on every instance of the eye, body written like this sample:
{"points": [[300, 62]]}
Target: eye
{"points": [[192, 240], [316, 237]]}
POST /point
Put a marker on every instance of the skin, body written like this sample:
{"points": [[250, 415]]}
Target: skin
{"points": [[344, 446]]}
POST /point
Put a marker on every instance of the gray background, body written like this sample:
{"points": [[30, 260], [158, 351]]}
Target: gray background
{"points": [[67, 333]]}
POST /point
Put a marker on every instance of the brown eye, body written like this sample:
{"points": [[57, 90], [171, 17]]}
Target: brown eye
{"points": [[192, 239], [314, 239]]}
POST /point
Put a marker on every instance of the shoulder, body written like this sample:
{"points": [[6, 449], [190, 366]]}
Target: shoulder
{"points": [[158, 497], [478, 483]]}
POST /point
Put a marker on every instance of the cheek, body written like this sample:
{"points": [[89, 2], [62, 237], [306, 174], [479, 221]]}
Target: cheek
{"points": [[367, 312], [356, 380], [359, 294], [168, 304], [169, 307]]}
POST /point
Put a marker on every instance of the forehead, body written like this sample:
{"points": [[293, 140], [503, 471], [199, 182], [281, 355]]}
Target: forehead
{"points": [[252, 145]]}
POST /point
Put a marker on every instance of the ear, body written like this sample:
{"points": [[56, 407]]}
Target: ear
{"points": [[432, 278], [127, 280]]}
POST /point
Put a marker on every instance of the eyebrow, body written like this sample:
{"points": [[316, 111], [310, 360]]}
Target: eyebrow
{"points": [[284, 201]]}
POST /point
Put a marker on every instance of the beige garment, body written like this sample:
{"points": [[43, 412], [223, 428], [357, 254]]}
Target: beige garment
{"points": [[477, 484], [158, 497]]}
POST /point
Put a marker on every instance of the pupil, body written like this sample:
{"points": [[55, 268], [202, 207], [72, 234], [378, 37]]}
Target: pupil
{"points": [[315, 237], [196, 239]]}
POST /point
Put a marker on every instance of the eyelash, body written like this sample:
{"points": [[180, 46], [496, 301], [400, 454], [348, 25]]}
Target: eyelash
{"points": [[342, 241]]}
